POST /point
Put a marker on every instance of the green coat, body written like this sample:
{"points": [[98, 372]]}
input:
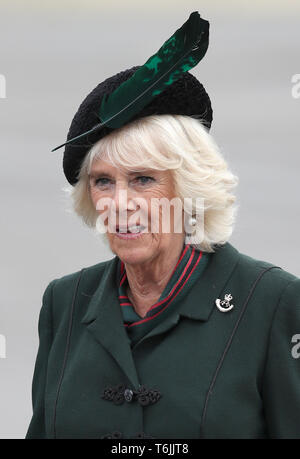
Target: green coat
{"points": [[233, 374]]}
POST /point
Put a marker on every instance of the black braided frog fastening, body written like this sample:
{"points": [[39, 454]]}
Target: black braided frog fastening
{"points": [[118, 394]]}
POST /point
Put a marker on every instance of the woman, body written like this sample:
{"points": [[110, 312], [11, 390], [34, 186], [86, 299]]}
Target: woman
{"points": [[179, 335]]}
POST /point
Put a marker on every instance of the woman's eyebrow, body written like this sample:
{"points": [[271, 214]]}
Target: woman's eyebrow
{"points": [[97, 173], [107, 174]]}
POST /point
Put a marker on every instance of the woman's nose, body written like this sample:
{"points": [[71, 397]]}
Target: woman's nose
{"points": [[123, 198]]}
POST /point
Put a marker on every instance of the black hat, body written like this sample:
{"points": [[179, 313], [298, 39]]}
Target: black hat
{"points": [[171, 90]]}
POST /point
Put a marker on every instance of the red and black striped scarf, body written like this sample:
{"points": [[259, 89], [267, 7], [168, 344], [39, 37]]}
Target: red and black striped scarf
{"points": [[189, 267]]}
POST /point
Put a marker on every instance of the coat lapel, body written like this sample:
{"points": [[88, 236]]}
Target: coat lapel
{"points": [[105, 322], [201, 300]]}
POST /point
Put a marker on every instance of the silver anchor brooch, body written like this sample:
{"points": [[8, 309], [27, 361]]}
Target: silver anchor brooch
{"points": [[224, 305]]}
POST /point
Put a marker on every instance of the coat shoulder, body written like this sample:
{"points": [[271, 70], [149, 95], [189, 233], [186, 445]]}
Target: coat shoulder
{"points": [[274, 276], [88, 274], [64, 288]]}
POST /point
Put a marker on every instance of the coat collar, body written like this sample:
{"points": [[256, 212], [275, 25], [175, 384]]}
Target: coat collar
{"points": [[104, 319], [211, 283]]}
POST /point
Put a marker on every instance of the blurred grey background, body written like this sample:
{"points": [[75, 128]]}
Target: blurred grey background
{"points": [[53, 53]]}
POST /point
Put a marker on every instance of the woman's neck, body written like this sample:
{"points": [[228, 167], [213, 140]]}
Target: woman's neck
{"points": [[148, 280]]}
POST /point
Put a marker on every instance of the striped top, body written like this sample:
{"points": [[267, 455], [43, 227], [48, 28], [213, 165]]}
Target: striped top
{"points": [[188, 269]]}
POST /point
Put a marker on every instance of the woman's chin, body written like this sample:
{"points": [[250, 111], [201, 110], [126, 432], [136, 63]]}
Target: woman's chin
{"points": [[132, 251]]}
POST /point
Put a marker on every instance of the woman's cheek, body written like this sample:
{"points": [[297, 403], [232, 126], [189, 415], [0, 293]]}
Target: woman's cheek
{"points": [[96, 195]]}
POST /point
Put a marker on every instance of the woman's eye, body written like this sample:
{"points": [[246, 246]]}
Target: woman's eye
{"points": [[101, 181], [143, 179]]}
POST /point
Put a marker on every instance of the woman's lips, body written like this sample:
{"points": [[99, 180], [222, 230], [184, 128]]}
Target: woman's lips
{"points": [[128, 234]]}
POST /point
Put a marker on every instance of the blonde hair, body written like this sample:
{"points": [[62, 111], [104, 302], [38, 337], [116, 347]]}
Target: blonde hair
{"points": [[168, 142]]}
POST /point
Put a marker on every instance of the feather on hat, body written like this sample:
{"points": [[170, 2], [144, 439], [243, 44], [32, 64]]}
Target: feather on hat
{"points": [[140, 91]]}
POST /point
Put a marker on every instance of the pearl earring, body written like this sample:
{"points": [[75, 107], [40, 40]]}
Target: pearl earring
{"points": [[192, 221]]}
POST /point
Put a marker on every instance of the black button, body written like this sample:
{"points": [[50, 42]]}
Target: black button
{"points": [[115, 434], [128, 395]]}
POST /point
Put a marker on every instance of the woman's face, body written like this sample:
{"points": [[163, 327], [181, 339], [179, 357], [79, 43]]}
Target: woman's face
{"points": [[129, 196]]}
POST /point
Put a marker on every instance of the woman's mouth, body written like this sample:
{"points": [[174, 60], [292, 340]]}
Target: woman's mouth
{"points": [[132, 232]]}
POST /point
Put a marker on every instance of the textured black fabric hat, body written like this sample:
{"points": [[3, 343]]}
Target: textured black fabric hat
{"points": [[186, 96], [162, 85]]}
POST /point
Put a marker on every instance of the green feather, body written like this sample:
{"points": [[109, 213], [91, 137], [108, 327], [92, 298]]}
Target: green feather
{"points": [[181, 52]]}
